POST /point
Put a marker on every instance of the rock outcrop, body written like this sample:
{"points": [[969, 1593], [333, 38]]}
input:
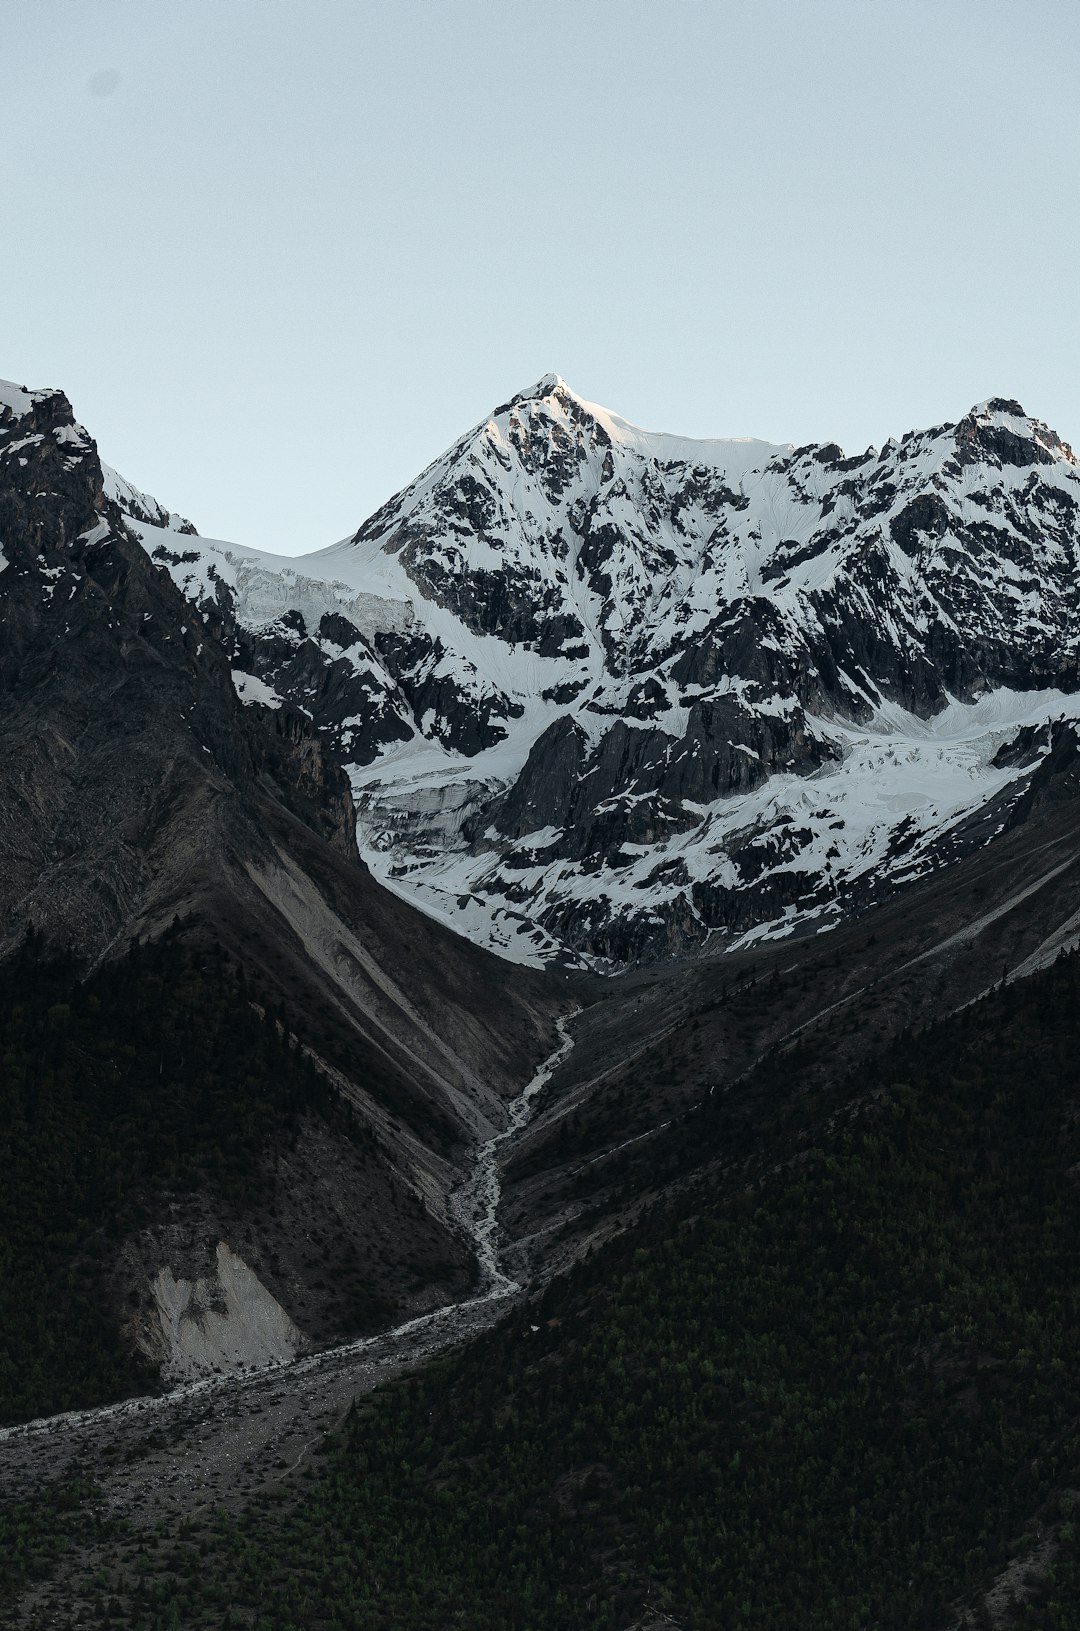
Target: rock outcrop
{"points": [[603, 694]]}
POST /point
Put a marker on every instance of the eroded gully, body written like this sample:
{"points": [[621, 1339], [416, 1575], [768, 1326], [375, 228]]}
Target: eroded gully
{"points": [[221, 1438]]}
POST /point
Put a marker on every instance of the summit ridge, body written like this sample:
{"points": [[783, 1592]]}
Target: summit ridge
{"points": [[606, 695]]}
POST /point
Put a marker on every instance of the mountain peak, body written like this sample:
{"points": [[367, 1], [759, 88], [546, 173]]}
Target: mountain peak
{"points": [[546, 387], [605, 692], [996, 407], [1000, 428], [18, 402]]}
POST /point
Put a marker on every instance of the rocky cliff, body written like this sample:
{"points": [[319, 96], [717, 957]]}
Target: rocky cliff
{"points": [[607, 695]]}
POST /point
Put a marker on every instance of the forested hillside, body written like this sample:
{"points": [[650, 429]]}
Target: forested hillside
{"points": [[156, 1077], [842, 1395]]}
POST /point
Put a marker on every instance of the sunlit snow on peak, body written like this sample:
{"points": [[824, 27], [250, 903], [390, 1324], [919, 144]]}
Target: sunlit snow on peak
{"points": [[607, 693]]}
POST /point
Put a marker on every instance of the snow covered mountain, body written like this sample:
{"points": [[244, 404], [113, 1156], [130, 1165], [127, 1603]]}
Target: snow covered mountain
{"points": [[606, 695]]}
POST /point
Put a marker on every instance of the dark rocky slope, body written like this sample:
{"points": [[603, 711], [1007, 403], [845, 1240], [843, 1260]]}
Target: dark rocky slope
{"points": [[721, 1042], [136, 789]]}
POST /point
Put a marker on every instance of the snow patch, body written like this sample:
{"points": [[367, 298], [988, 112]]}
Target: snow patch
{"points": [[18, 398], [250, 689]]}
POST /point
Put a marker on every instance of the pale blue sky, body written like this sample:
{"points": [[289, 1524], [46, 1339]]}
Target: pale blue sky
{"points": [[281, 254]]}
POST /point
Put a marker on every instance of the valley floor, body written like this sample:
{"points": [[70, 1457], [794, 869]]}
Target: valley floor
{"points": [[219, 1442], [755, 1043]]}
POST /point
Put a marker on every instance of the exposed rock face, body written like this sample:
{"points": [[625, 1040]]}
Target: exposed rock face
{"points": [[605, 693], [225, 1320], [147, 774], [118, 708], [137, 784]]}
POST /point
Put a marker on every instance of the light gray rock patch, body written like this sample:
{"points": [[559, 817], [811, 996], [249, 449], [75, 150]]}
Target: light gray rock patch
{"points": [[225, 1321]]}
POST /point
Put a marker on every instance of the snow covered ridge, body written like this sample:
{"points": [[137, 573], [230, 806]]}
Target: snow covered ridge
{"points": [[140, 506], [607, 694]]}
